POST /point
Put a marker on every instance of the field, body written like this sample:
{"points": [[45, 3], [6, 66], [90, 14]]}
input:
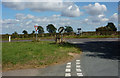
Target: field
{"points": [[93, 36], [21, 55]]}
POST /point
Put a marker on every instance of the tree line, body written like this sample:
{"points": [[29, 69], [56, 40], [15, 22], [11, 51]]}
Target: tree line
{"points": [[50, 28], [104, 30], [68, 30]]}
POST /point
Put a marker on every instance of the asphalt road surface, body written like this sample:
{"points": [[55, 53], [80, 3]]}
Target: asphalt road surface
{"points": [[100, 57]]}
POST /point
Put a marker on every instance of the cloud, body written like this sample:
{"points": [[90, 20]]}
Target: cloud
{"points": [[72, 11], [114, 17], [99, 19], [28, 21], [97, 14], [95, 9], [68, 9]]}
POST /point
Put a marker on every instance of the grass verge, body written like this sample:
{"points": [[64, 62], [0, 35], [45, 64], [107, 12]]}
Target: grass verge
{"points": [[19, 55]]}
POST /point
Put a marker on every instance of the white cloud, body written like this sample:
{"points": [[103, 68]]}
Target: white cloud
{"points": [[114, 17], [56, 15], [101, 15], [71, 11], [97, 16], [96, 9], [30, 16], [97, 20], [20, 16], [32, 1], [28, 21], [66, 8]]}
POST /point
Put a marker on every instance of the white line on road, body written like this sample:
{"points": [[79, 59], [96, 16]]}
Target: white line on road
{"points": [[68, 66], [77, 60], [68, 70], [67, 74], [77, 66], [79, 74], [78, 63], [78, 70], [69, 63]]}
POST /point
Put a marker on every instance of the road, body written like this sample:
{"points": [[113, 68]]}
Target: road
{"points": [[99, 58]]}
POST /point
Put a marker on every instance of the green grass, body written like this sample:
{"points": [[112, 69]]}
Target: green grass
{"points": [[17, 55], [93, 36]]}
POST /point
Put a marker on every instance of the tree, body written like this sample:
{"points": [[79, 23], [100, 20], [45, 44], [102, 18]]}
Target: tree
{"points": [[25, 32], [40, 29], [110, 27], [33, 32], [14, 35], [51, 28], [68, 29]]}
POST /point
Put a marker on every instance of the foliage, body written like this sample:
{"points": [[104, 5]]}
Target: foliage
{"points": [[40, 29], [68, 29], [109, 27], [25, 32], [51, 28], [33, 32], [14, 35]]}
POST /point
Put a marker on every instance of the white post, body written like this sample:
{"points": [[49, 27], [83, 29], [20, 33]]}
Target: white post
{"points": [[9, 38], [36, 35]]}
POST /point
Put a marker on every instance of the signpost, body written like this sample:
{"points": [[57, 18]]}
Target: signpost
{"points": [[61, 31], [9, 38], [36, 27], [79, 30]]}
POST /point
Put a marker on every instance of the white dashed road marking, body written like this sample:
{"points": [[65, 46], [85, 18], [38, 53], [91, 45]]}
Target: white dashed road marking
{"points": [[67, 74], [68, 66], [68, 70], [69, 63], [79, 74], [77, 63], [77, 60], [78, 69], [77, 66]]}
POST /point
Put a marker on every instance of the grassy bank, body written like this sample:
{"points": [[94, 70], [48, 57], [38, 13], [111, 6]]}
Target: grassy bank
{"points": [[70, 36], [19, 55], [93, 36]]}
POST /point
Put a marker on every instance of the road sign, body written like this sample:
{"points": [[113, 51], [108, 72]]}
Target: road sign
{"points": [[61, 30], [35, 27], [79, 29]]}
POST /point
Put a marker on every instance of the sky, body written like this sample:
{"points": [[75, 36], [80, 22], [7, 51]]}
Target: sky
{"points": [[19, 16]]}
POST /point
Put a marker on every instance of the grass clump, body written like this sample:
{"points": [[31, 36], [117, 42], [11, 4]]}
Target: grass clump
{"points": [[19, 55]]}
